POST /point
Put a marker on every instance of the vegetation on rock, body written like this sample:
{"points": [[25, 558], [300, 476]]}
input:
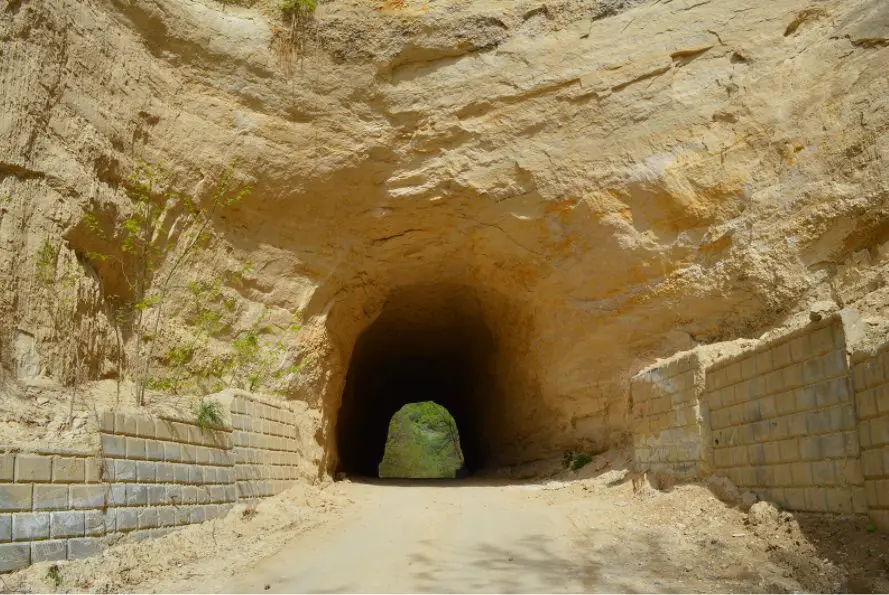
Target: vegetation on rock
{"points": [[293, 7], [423, 443], [208, 414], [153, 249], [292, 41], [575, 460]]}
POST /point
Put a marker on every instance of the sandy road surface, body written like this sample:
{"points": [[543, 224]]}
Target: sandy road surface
{"points": [[489, 537], [433, 538], [569, 533]]}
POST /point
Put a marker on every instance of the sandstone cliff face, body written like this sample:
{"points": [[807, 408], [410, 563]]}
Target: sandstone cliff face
{"points": [[590, 185]]}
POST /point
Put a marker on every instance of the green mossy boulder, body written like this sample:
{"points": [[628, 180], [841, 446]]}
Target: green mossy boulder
{"points": [[423, 443]]}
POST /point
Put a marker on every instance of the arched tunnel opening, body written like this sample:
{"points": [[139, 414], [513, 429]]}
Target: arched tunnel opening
{"points": [[430, 343]]}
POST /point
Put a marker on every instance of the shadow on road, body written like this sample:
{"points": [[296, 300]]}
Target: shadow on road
{"points": [[532, 565], [466, 482]]}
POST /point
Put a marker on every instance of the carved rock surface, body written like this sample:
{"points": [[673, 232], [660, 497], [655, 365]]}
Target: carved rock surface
{"points": [[603, 183]]}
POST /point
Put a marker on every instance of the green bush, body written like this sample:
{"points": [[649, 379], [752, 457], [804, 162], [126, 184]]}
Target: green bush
{"points": [[575, 460], [291, 7], [208, 414], [54, 575]]}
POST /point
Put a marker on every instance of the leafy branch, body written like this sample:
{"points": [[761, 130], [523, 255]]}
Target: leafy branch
{"points": [[162, 234], [257, 362], [59, 299]]}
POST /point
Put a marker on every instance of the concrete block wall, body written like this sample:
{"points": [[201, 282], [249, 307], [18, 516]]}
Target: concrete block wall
{"points": [[783, 422], [669, 433], [871, 378], [164, 473], [150, 475], [52, 506], [266, 446]]}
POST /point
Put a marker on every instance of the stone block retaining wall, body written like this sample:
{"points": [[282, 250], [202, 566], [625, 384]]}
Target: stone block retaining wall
{"points": [[784, 421], [52, 506], [266, 439], [871, 377], [150, 476], [164, 473], [665, 409]]}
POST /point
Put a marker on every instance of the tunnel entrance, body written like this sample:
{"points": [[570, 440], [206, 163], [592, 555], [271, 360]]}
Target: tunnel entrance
{"points": [[430, 343]]}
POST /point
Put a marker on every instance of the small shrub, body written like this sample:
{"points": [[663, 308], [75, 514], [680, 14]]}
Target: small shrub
{"points": [[575, 460], [54, 575], [208, 414], [257, 362], [176, 359], [292, 7], [292, 42]]}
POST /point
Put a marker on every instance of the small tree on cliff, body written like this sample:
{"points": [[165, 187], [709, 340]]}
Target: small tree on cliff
{"points": [[162, 234], [57, 286]]}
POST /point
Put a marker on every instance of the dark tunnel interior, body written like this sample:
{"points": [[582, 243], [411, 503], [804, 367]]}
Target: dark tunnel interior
{"points": [[417, 351]]}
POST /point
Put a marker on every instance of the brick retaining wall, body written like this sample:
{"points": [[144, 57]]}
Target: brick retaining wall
{"points": [[784, 420], [666, 410], [871, 377], [151, 475]]}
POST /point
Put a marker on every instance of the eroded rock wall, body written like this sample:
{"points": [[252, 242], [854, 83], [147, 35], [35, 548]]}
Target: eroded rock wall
{"points": [[634, 178]]}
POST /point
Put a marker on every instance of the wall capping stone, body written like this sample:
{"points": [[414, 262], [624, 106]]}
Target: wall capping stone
{"points": [[775, 341], [40, 450]]}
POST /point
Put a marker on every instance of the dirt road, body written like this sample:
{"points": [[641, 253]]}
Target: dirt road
{"points": [[587, 532], [434, 537], [488, 537]]}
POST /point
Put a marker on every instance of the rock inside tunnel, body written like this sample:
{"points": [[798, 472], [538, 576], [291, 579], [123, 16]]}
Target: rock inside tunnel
{"points": [[430, 343]]}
